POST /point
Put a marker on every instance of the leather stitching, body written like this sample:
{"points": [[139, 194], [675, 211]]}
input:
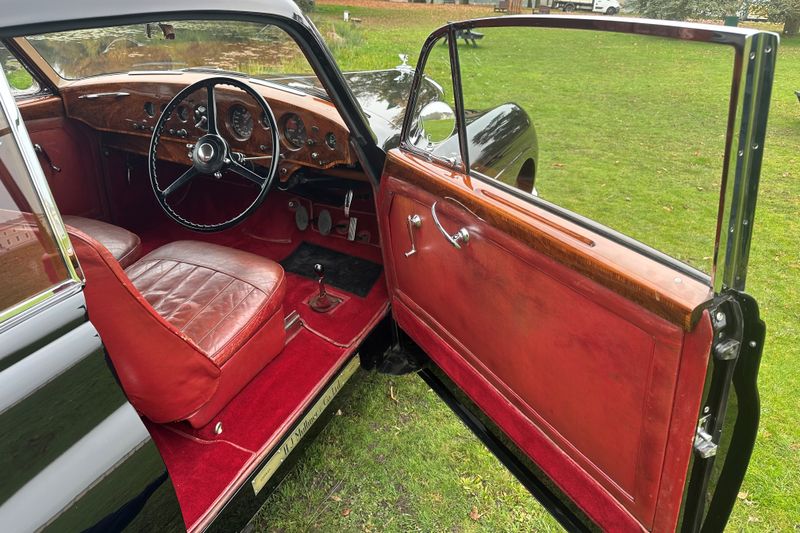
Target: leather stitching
{"points": [[221, 320], [190, 298], [225, 288], [165, 297], [209, 268]]}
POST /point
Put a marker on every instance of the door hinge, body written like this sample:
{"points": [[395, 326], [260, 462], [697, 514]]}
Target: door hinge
{"points": [[704, 443]]}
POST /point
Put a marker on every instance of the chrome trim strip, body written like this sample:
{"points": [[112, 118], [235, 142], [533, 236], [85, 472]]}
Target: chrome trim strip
{"points": [[291, 440], [747, 126], [92, 96]]}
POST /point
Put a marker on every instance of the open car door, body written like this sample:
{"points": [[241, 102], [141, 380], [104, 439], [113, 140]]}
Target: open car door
{"points": [[607, 357]]}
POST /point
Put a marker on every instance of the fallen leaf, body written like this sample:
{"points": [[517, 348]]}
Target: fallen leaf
{"points": [[742, 495], [474, 514], [391, 393], [346, 512], [558, 165], [336, 498], [338, 412]]}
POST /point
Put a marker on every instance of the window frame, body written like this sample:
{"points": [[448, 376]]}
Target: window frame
{"points": [[43, 85], [73, 283], [753, 66]]}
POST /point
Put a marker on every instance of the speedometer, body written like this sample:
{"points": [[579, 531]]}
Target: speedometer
{"points": [[241, 122], [294, 131]]}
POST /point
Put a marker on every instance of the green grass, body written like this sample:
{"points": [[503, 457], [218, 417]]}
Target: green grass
{"points": [[397, 459]]}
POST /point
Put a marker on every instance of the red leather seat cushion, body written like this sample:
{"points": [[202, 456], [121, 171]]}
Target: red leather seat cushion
{"points": [[217, 296], [126, 247]]}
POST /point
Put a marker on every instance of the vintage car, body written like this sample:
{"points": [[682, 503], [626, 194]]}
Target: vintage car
{"points": [[197, 259]]}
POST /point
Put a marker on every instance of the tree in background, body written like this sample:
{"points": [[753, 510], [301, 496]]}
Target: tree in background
{"points": [[786, 12], [781, 11], [685, 9]]}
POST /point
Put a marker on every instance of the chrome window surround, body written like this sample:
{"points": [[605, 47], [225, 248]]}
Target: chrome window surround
{"points": [[74, 283], [751, 87]]}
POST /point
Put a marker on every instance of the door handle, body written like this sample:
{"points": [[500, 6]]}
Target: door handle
{"points": [[413, 221], [42, 152], [461, 236]]}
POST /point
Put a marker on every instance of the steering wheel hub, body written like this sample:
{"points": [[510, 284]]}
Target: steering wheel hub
{"points": [[210, 154]]}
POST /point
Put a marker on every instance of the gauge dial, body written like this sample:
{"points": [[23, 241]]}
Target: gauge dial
{"points": [[294, 131], [150, 109], [241, 122], [183, 113], [330, 140]]}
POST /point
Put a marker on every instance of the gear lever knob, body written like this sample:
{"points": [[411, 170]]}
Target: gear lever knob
{"points": [[323, 301]]}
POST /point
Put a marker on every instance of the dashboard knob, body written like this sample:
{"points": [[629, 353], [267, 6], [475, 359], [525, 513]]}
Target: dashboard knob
{"points": [[182, 133], [314, 155]]}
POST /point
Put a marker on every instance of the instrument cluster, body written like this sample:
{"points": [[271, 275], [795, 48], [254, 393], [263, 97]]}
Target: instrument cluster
{"points": [[310, 130]]}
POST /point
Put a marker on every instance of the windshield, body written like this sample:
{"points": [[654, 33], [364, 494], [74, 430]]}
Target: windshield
{"points": [[253, 49]]}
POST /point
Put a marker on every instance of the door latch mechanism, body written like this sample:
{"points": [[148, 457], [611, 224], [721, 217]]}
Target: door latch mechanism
{"points": [[704, 443]]}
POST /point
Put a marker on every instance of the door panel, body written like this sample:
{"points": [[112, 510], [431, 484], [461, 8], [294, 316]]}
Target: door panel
{"points": [[73, 148], [594, 346]]}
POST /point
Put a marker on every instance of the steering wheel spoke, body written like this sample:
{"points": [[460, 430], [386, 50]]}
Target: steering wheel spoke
{"points": [[182, 180], [246, 173], [211, 109]]}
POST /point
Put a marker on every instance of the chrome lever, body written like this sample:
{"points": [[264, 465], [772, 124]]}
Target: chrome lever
{"points": [[413, 221], [42, 152], [461, 236]]}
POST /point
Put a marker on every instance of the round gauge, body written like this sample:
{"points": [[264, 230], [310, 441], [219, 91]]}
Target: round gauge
{"points": [[330, 140], [264, 121], [241, 122], [294, 131], [150, 109], [183, 113]]}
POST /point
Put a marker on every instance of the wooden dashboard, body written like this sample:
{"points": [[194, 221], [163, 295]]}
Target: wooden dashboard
{"points": [[125, 108]]}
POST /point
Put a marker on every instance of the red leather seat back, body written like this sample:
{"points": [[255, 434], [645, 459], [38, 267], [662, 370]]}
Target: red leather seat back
{"points": [[164, 374]]}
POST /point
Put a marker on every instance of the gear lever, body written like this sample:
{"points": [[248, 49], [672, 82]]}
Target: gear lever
{"points": [[322, 302]]}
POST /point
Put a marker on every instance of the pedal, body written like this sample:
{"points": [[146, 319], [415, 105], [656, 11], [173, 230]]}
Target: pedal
{"points": [[351, 229]]}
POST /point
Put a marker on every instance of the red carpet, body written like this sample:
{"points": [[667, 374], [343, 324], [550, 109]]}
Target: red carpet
{"points": [[202, 465]]}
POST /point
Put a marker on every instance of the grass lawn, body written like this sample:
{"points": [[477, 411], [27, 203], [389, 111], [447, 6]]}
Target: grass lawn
{"points": [[397, 459]]}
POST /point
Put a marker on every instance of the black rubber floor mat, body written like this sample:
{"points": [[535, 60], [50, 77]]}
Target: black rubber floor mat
{"points": [[342, 271]]}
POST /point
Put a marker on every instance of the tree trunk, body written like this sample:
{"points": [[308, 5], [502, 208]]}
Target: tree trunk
{"points": [[792, 26]]}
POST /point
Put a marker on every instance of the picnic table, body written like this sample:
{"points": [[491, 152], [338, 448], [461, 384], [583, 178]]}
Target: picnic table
{"points": [[469, 36]]}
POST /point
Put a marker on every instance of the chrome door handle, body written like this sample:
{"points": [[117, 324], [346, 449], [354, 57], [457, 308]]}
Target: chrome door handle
{"points": [[461, 236], [42, 152], [413, 221]]}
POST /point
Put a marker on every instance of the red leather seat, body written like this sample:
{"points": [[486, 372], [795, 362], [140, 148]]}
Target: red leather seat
{"points": [[126, 247], [188, 326]]}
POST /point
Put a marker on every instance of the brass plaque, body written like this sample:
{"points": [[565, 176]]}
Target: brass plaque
{"points": [[300, 430]]}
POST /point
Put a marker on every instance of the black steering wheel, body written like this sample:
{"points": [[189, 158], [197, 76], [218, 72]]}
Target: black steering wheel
{"points": [[212, 155]]}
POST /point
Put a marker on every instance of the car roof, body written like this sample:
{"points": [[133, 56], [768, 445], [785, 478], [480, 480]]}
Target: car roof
{"points": [[21, 16]]}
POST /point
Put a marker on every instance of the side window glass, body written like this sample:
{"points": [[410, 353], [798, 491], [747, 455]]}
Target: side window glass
{"points": [[627, 130], [30, 259], [434, 127], [20, 80]]}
